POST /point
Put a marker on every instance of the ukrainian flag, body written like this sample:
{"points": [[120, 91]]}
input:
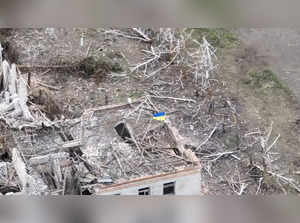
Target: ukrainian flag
{"points": [[160, 116]]}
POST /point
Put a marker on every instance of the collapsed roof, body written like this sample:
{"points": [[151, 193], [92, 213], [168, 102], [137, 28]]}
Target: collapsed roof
{"points": [[67, 156]]}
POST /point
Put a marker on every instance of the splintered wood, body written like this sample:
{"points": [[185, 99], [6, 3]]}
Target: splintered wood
{"points": [[51, 156], [30, 185], [178, 139], [14, 108]]}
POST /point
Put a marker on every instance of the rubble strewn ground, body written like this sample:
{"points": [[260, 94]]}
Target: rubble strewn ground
{"points": [[75, 86]]}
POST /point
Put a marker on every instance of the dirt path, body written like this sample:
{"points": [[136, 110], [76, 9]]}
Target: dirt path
{"points": [[281, 49]]}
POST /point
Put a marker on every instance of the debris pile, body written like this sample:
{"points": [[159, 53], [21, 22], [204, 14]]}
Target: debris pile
{"points": [[14, 109], [44, 153], [69, 156]]}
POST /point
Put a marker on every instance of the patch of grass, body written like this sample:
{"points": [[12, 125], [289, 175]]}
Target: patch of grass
{"points": [[266, 79], [90, 65], [217, 37], [136, 94]]}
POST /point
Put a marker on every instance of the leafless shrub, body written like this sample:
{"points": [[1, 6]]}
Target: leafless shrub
{"points": [[170, 46], [269, 167], [203, 64]]}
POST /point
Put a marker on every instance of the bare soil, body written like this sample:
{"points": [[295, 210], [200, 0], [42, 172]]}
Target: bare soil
{"points": [[263, 103]]}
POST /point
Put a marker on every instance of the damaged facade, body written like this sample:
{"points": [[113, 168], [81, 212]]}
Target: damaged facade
{"points": [[113, 149]]}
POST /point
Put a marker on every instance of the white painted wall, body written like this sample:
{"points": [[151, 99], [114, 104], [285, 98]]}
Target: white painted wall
{"points": [[184, 185]]}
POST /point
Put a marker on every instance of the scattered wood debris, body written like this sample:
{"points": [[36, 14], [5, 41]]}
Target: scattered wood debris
{"points": [[116, 143], [61, 157]]}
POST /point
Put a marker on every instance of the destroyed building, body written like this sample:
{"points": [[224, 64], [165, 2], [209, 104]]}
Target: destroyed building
{"points": [[114, 149]]}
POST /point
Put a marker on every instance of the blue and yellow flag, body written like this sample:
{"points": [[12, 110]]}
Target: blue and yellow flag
{"points": [[160, 116]]}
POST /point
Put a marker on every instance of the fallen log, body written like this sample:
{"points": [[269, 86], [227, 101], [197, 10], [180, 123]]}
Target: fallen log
{"points": [[41, 160]]}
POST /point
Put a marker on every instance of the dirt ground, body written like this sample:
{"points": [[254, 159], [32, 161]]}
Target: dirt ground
{"points": [[280, 48], [44, 49], [242, 80], [268, 50]]}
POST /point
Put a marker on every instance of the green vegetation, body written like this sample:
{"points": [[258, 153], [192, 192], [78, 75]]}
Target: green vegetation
{"points": [[90, 65], [265, 79], [136, 94], [217, 37]]}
